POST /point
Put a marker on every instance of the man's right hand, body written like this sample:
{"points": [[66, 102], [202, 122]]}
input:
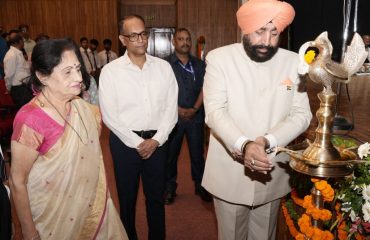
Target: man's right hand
{"points": [[147, 147], [255, 158]]}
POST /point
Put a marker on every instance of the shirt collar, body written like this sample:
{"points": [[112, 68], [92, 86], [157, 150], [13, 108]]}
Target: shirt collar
{"points": [[127, 60], [83, 49], [175, 59], [15, 49]]}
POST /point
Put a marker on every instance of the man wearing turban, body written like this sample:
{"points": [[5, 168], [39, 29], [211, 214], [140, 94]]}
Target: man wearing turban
{"points": [[252, 104]]}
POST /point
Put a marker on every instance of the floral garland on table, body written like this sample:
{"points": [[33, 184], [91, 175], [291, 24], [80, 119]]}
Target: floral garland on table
{"points": [[304, 223], [354, 197], [351, 218], [289, 221]]}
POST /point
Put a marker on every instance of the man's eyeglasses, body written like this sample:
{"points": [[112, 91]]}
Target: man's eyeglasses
{"points": [[135, 36]]}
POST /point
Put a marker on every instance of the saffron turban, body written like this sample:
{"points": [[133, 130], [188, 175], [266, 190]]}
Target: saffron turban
{"points": [[255, 14]]}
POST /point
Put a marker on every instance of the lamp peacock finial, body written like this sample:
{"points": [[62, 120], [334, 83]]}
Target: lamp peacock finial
{"points": [[322, 69]]}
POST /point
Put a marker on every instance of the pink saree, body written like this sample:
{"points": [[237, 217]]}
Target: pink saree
{"points": [[67, 186]]}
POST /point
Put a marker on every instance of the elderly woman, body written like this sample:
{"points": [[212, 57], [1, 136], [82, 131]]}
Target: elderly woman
{"points": [[57, 177]]}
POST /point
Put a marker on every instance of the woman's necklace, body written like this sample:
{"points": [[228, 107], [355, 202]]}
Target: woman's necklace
{"points": [[65, 120]]}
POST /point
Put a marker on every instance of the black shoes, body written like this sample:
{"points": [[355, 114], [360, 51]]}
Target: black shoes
{"points": [[203, 194], [169, 198]]}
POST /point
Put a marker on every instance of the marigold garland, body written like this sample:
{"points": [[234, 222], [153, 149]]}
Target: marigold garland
{"points": [[326, 190], [316, 213], [296, 199], [342, 233], [311, 232], [290, 223], [304, 223]]}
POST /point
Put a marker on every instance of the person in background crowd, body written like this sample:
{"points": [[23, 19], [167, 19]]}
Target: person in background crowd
{"points": [[29, 44], [252, 104], [107, 55], [87, 56], [138, 99], [5, 35], [189, 72], [94, 53], [91, 94], [17, 72], [3, 49], [42, 36], [57, 178]]}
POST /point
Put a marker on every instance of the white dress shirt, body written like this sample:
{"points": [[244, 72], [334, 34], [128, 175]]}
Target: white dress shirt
{"points": [[29, 44], [88, 59], [138, 99], [103, 56], [16, 68], [95, 56]]}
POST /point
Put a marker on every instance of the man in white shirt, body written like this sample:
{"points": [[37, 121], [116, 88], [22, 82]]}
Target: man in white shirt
{"points": [[138, 99], [252, 103], [107, 55], [87, 56], [29, 44], [17, 71], [95, 59]]}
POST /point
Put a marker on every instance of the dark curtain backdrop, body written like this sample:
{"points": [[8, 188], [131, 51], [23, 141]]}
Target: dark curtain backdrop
{"points": [[316, 16]]}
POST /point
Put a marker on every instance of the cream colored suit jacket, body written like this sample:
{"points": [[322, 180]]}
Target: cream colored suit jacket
{"points": [[246, 98]]}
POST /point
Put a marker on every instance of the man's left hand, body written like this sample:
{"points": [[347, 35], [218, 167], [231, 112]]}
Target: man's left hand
{"points": [[147, 147]]}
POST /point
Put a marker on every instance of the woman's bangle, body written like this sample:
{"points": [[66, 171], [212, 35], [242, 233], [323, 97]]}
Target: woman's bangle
{"points": [[195, 109]]}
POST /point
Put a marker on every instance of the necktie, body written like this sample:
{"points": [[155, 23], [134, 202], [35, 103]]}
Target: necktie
{"points": [[96, 67], [87, 55], [107, 56]]}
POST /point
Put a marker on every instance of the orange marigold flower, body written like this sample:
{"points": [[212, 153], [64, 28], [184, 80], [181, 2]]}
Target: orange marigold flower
{"points": [[314, 180], [300, 236], [337, 207], [293, 231], [327, 235], [296, 199]]}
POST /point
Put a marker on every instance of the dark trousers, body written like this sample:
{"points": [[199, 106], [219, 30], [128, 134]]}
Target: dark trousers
{"points": [[195, 136], [128, 167], [5, 214]]}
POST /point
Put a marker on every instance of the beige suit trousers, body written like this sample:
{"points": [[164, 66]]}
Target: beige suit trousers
{"points": [[242, 222]]}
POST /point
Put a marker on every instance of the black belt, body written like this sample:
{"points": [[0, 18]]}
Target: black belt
{"points": [[146, 134]]}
